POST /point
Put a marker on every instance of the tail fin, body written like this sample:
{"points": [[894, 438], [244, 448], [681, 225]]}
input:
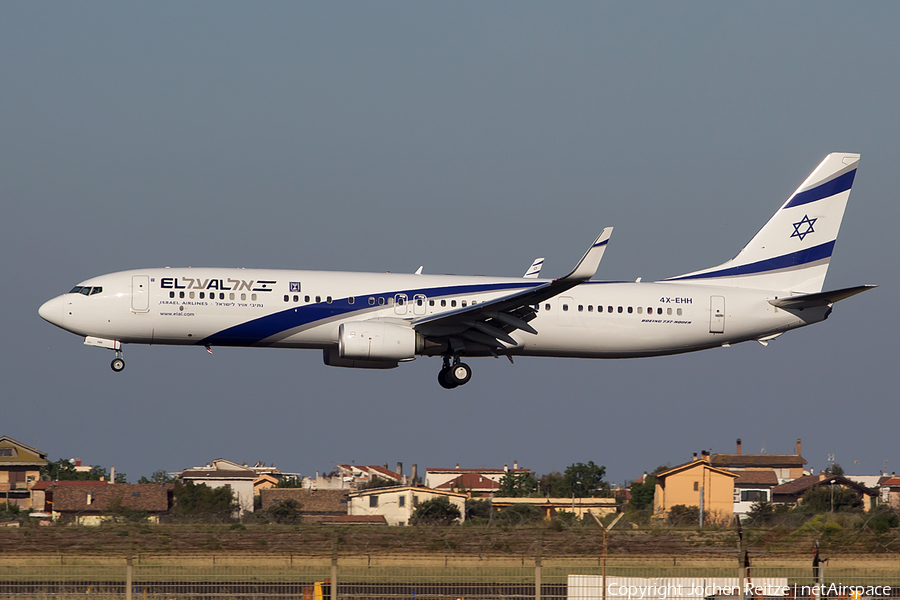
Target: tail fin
{"points": [[792, 251]]}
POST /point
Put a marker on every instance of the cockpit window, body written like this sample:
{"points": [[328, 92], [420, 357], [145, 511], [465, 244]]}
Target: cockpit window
{"points": [[86, 290]]}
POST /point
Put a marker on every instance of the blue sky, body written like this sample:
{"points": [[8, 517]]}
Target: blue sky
{"points": [[466, 137]]}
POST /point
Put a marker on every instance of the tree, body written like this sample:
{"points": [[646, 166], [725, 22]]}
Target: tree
{"points": [[198, 502], [289, 482], [834, 469], [683, 515], [550, 484], [64, 470], [516, 485], [761, 513], [286, 512], [376, 482], [437, 511], [478, 509], [642, 494], [583, 480], [157, 477], [830, 497]]}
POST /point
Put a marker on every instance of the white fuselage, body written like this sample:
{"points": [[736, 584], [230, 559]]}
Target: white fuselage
{"points": [[304, 309]]}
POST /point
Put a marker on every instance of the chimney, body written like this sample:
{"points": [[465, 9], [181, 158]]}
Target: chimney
{"points": [[505, 468], [704, 455], [515, 464], [385, 466], [738, 445], [78, 462], [413, 474], [695, 456], [112, 474], [457, 465], [798, 446]]}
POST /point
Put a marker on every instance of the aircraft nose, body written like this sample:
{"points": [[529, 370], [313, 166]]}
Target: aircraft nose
{"points": [[52, 310]]}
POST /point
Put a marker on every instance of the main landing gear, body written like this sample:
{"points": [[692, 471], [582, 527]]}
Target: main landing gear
{"points": [[118, 363], [455, 374]]}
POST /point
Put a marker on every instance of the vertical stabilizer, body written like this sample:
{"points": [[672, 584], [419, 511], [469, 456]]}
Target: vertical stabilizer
{"points": [[792, 251]]}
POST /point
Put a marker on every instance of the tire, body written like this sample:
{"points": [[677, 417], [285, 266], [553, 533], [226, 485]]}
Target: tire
{"points": [[444, 380], [117, 365], [460, 373]]}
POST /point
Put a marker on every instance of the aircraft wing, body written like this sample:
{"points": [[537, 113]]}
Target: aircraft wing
{"points": [[820, 298], [490, 323]]}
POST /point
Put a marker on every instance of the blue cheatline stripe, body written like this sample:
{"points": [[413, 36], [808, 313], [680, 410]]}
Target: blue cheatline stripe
{"points": [[603, 243], [254, 331], [794, 259], [826, 190]]}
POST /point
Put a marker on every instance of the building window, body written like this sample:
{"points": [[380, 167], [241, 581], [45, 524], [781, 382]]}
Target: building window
{"points": [[402, 501], [415, 500], [6, 451], [373, 501], [754, 496], [696, 486]]}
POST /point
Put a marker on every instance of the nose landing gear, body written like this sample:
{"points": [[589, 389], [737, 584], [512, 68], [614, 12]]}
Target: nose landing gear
{"points": [[118, 363], [455, 374]]}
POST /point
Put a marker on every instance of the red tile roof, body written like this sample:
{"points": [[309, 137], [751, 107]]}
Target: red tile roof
{"points": [[470, 481]]}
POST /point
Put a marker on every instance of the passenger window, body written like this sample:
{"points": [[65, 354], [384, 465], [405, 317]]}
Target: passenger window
{"points": [[659, 311], [630, 310], [609, 309], [380, 301], [640, 310], [231, 296], [649, 310], [351, 300], [328, 299], [371, 301], [202, 295], [318, 298], [453, 303], [430, 303], [620, 309], [580, 307], [678, 311], [243, 296], [181, 294], [221, 295], [600, 308], [590, 308], [171, 294], [547, 306], [306, 298], [296, 298], [463, 303], [192, 295], [668, 311], [253, 297], [443, 303], [565, 307]]}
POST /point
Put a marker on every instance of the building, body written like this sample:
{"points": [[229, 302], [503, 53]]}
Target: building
{"points": [[221, 473], [549, 507], [436, 478], [785, 466], [472, 483], [93, 502], [696, 483], [751, 487], [315, 505], [890, 492], [20, 469], [397, 504]]}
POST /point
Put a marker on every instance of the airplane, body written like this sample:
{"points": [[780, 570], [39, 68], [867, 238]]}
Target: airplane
{"points": [[378, 320]]}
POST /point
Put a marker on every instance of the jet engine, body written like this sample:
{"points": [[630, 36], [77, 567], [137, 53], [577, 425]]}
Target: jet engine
{"points": [[376, 341]]}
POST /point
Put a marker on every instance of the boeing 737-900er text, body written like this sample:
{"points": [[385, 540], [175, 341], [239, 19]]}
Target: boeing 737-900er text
{"points": [[378, 320]]}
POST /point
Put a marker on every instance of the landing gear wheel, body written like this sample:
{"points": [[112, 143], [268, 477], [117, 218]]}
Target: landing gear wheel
{"points": [[444, 380], [459, 374], [117, 364]]}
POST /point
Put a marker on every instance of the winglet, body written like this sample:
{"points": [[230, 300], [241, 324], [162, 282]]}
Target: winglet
{"points": [[535, 269], [591, 259]]}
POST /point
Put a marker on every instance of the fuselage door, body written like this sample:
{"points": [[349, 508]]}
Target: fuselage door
{"points": [[566, 308], [140, 293], [717, 314], [400, 303], [419, 302]]}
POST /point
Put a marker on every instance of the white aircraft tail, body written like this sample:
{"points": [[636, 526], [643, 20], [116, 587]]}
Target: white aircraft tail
{"points": [[792, 251]]}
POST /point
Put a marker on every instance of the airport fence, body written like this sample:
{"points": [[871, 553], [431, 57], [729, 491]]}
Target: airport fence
{"points": [[443, 577]]}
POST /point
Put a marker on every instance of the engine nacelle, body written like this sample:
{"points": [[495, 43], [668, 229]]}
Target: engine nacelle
{"points": [[332, 359], [377, 341]]}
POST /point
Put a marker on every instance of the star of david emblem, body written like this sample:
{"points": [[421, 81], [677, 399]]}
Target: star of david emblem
{"points": [[809, 227]]}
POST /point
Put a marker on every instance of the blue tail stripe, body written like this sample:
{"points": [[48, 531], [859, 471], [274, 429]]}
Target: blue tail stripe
{"points": [[785, 261], [826, 190]]}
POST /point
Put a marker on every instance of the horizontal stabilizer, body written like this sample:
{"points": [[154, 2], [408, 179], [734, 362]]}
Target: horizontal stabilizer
{"points": [[819, 299]]}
